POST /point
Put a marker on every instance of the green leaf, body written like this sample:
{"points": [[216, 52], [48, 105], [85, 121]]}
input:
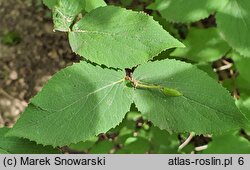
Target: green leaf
{"points": [[228, 144], [102, 147], [50, 3], [65, 12], [119, 38], [3, 151], [93, 4], [207, 67], [168, 26], [244, 105], [16, 145], [242, 65], [78, 103], [202, 45], [204, 107], [84, 146], [162, 142], [133, 115], [126, 3], [234, 23], [135, 145], [186, 11]]}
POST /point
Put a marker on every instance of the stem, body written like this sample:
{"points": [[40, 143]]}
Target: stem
{"points": [[186, 142], [148, 86], [165, 90], [201, 148]]}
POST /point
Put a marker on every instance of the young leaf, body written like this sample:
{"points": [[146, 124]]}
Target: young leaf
{"points": [[228, 144], [171, 92], [119, 38], [234, 23], [202, 45], [186, 11], [93, 4], [78, 103], [204, 106], [50, 3], [65, 12], [16, 145]]}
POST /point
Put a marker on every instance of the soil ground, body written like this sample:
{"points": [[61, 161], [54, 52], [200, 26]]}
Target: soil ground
{"points": [[28, 64]]}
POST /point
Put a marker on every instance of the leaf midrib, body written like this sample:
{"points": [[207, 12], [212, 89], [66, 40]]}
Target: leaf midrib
{"points": [[89, 94]]}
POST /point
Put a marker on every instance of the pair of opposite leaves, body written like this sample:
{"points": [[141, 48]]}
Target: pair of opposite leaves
{"points": [[83, 100]]}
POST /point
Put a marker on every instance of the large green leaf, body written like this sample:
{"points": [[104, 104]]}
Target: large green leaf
{"points": [[119, 38], [228, 144], [204, 107], [78, 103], [186, 10], [202, 45], [16, 145], [234, 24]]}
